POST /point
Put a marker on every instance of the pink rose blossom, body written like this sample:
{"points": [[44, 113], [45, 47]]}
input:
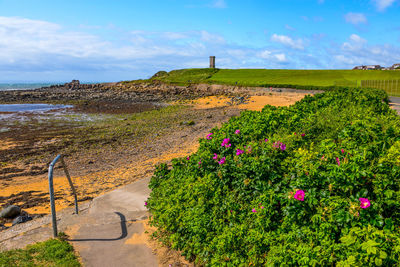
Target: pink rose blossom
{"points": [[266, 140], [239, 152], [338, 161], [222, 161], [225, 143], [303, 134], [253, 210], [209, 137], [299, 195], [145, 203], [188, 157], [237, 131], [365, 203], [342, 150], [215, 156]]}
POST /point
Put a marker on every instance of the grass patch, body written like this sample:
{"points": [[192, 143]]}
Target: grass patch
{"points": [[53, 252], [301, 79]]}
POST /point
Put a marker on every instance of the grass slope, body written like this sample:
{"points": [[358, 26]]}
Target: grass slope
{"points": [[305, 79]]}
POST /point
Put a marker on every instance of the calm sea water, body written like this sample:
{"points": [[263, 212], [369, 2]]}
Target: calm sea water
{"points": [[29, 107], [23, 86]]}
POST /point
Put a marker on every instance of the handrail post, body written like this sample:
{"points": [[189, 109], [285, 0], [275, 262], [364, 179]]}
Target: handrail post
{"points": [[70, 183], [51, 190]]}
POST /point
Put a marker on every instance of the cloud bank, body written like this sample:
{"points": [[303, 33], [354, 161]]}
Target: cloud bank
{"points": [[34, 50]]}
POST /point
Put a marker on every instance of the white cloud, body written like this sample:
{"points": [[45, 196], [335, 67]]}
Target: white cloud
{"points": [[381, 5], [356, 43], [357, 39], [357, 52], [211, 38], [219, 4], [355, 18], [287, 41], [278, 57]]}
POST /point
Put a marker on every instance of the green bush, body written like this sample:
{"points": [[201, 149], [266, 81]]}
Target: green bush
{"points": [[240, 201]]}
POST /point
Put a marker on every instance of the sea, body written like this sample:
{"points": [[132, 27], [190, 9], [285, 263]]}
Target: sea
{"points": [[24, 86], [26, 107]]}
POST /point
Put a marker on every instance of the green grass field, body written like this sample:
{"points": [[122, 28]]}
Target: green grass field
{"points": [[274, 77]]}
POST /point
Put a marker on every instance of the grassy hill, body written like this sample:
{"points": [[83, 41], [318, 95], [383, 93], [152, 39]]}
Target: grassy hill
{"points": [[305, 79]]}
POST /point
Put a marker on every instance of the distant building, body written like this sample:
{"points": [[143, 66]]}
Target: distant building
{"points": [[395, 66], [368, 67]]}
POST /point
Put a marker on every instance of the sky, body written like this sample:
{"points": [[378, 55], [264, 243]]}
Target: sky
{"points": [[108, 41]]}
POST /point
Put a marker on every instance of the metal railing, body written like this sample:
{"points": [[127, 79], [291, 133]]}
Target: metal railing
{"points": [[392, 87], [51, 190]]}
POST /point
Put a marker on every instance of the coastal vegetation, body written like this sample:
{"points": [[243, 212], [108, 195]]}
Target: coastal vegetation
{"points": [[315, 183]]}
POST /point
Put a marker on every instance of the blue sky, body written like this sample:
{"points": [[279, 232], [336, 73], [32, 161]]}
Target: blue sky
{"points": [[96, 40]]}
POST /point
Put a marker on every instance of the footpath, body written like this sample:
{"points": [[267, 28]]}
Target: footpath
{"points": [[108, 231], [394, 103]]}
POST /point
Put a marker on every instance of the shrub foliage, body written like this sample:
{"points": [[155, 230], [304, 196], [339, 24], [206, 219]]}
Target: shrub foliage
{"points": [[316, 183]]}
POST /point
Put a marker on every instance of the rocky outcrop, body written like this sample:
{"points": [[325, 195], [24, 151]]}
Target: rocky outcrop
{"points": [[21, 219], [134, 92], [11, 211]]}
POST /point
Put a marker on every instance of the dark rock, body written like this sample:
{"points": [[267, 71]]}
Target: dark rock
{"points": [[21, 219], [188, 123], [10, 212]]}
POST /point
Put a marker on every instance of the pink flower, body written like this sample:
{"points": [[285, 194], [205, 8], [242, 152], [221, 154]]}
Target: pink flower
{"points": [[266, 140], [338, 161], [294, 133], [145, 203], [262, 207], [342, 150], [222, 161], [215, 156], [239, 152], [365, 203], [225, 143], [303, 134], [253, 210], [188, 157], [237, 131], [209, 137], [299, 195], [279, 144], [200, 162]]}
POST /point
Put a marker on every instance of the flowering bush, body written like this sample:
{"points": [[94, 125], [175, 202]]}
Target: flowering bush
{"points": [[266, 196]]}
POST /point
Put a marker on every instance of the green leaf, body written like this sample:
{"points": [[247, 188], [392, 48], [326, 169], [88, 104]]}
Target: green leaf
{"points": [[378, 262], [382, 255]]}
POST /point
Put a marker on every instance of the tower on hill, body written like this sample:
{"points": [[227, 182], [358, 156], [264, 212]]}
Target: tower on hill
{"points": [[212, 62]]}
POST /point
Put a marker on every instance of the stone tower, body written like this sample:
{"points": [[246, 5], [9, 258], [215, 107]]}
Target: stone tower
{"points": [[212, 62]]}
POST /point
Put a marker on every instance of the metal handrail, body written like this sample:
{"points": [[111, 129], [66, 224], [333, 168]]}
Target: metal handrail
{"points": [[51, 190]]}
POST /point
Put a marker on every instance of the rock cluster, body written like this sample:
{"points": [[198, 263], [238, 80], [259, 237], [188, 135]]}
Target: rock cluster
{"points": [[135, 92], [13, 212]]}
